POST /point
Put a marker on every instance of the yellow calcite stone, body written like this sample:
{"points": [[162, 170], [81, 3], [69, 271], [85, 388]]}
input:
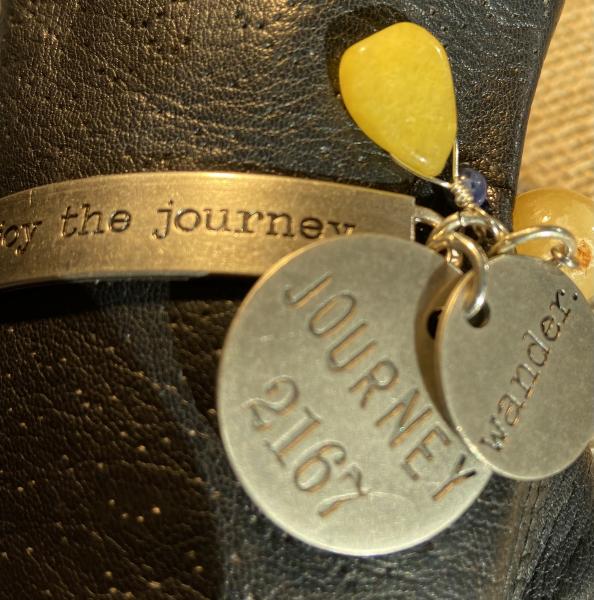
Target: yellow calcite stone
{"points": [[556, 206], [397, 86]]}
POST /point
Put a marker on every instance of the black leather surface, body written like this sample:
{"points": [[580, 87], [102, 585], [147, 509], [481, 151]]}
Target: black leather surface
{"points": [[113, 482]]}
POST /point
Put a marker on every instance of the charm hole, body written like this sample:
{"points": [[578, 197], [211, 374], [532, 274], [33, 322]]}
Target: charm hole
{"points": [[482, 318], [422, 231], [433, 322]]}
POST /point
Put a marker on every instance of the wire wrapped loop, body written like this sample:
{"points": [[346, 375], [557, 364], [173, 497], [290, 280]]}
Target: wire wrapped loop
{"points": [[460, 244], [562, 254], [462, 195], [474, 217]]}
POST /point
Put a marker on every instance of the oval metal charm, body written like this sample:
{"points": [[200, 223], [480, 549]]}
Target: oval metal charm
{"points": [[520, 389], [322, 405]]}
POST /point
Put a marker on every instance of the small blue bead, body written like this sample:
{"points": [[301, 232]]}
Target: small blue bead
{"points": [[476, 182]]}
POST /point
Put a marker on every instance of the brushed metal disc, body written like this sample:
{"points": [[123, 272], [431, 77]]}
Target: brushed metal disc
{"points": [[322, 401], [520, 389]]}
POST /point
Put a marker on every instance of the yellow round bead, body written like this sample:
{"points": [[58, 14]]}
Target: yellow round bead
{"points": [[575, 212], [397, 86]]}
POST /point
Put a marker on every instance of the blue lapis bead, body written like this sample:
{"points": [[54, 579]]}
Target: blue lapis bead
{"points": [[477, 184]]}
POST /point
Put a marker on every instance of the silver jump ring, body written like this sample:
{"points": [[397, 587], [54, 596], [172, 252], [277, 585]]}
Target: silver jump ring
{"points": [[429, 219], [452, 256], [497, 228], [479, 262], [564, 254], [471, 217]]}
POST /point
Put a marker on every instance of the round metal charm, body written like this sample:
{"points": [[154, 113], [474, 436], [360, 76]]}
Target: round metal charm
{"points": [[520, 388], [322, 403]]}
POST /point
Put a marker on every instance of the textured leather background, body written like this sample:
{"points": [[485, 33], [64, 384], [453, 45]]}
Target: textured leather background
{"points": [[113, 482]]}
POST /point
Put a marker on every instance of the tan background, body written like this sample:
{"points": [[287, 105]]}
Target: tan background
{"points": [[559, 148]]}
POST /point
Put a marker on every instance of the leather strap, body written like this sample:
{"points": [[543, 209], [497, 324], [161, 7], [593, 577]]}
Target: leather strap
{"points": [[114, 481]]}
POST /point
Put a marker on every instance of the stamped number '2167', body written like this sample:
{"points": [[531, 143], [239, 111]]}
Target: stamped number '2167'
{"points": [[315, 467]]}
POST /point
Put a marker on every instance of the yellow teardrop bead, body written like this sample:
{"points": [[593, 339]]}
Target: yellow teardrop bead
{"points": [[397, 85], [556, 206]]}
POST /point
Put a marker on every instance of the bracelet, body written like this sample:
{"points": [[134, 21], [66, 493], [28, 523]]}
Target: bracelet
{"points": [[183, 224]]}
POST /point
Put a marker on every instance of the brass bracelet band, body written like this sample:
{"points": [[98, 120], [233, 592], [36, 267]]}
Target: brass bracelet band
{"points": [[183, 224]]}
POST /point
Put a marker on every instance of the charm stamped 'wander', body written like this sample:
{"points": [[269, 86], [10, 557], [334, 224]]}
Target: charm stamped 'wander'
{"points": [[520, 388]]}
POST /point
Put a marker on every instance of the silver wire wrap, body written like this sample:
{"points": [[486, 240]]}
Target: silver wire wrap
{"points": [[490, 232], [479, 262], [462, 195]]}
